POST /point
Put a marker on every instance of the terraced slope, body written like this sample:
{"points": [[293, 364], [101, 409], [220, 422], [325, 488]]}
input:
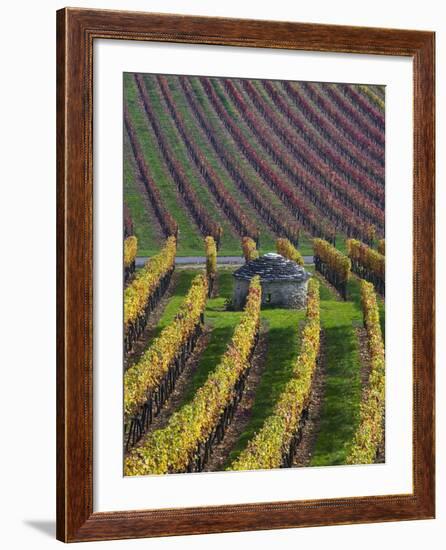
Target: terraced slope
{"points": [[261, 158]]}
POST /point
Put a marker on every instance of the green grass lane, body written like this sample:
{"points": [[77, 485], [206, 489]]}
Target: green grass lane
{"points": [[305, 244], [190, 239], [282, 351], [183, 283], [146, 226], [343, 390], [230, 243], [222, 324], [267, 237], [341, 243]]}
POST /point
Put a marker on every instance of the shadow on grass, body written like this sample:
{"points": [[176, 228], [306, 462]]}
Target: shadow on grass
{"points": [[209, 360], [181, 288], [282, 351], [340, 410]]}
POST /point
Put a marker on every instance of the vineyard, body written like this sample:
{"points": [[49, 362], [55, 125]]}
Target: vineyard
{"points": [[228, 175]]}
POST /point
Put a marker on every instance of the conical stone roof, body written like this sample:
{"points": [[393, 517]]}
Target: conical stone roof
{"points": [[272, 267]]}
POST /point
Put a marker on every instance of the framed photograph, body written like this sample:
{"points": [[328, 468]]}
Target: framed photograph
{"points": [[245, 275]]}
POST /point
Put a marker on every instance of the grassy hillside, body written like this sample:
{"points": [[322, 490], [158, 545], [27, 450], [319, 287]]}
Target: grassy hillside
{"points": [[353, 134]]}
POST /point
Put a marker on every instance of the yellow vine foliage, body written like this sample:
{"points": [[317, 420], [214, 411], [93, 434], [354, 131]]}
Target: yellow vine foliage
{"points": [[249, 248], [371, 232], [286, 249], [145, 376], [268, 446], [382, 246], [335, 260], [211, 257], [130, 249], [170, 449], [374, 97], [369, 434], [138, 293], [367, 257]]}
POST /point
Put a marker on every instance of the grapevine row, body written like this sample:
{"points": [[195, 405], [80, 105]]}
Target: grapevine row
{"points": [[144, 292], [130, 249], [333, 149], [211, 262], [312, 173], [303, 168], [227, 203], [128, 222], [275, 444], [311, 211], [367, 263], [382, 247], [357, 118], [357, 139], [332, 264], [168, 224], [374, 98], [371, 164], [300, 208], [357, 192], [277, 222], [370, 431], [374, 114], [308, 172], [185, 443], [286, 249], [149, 382], [199, 213], [249, 249]]}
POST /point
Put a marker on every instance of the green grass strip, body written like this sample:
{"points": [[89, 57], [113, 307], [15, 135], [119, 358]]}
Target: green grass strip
{"points": [[282, 351], [190, 239], [343, 389], [184, 281], [146, 227], [223, 323], [230, 243], [305, 244], [267, 236]]}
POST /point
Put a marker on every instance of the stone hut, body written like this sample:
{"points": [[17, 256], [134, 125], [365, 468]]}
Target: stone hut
{"points": [[284, 283]]}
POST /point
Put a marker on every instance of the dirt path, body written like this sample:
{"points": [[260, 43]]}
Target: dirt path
{"points": [[242, 415], [139, 347], [311, 427]]}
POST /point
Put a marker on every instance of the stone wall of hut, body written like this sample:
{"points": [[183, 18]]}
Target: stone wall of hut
{"points": [[286, 294]]}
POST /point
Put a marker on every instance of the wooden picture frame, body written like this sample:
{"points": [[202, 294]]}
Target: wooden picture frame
{"points": [[77, 29]]}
